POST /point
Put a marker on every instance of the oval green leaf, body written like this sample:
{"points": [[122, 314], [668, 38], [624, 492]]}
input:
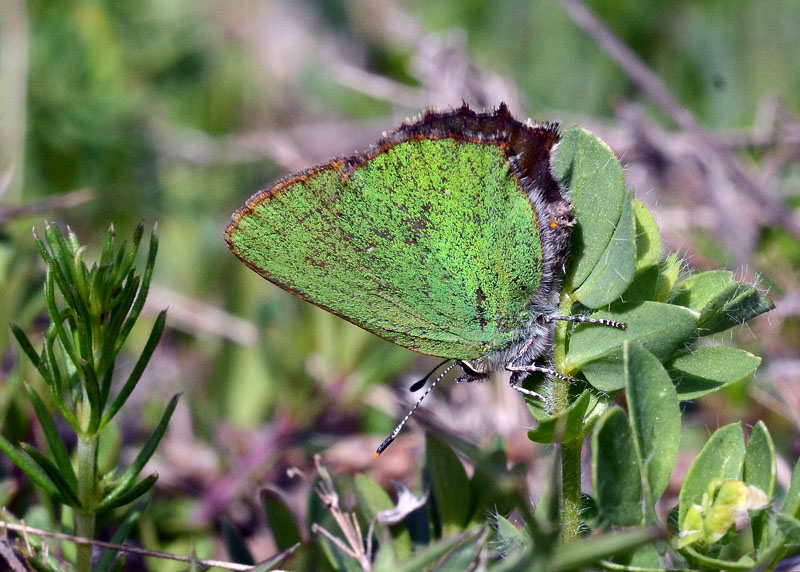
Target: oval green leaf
{"points": [[648, 252], [449, 485], [709, 369], [722, 456], [596, 350], [615, 470], [587, 166], [565, 426], [655, 416], [616, 267]]}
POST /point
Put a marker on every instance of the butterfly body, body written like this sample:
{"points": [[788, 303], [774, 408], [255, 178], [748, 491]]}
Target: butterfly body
{"points": [[447, 237]]}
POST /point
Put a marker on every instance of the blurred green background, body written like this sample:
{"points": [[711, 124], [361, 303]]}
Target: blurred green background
{"points": [[175, 111]]}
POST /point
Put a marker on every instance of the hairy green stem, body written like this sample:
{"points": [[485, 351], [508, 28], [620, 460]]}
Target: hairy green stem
{"points": [[85, 515], [570, 450]]}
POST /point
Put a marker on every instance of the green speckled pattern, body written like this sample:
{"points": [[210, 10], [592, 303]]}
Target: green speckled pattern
{"points": [[428, 244]]}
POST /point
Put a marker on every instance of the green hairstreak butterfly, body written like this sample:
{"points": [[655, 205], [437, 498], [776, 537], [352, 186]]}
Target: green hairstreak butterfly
{"points": [[448, 236]]}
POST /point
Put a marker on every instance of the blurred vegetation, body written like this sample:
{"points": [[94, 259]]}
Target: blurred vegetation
{"points": [[175, 111]]}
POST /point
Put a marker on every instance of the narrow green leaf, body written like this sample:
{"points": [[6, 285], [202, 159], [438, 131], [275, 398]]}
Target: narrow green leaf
{"points": [[66, 492], [54, 441], [616, 475], [236, 544], [145, 287], [449, 485], [587, 166], [615, 270], [58, 325], [280, 520], [92, 385], [30, 467], [138, 369], [126, 480], [596, 350], [655, 418], [433, 554], [565, 426], [134, 492], [789, 527], [273, 563], [108, 246], [722, 456], [25, 344], [709, 369], [791, 503], [120, 536], [583, 553]]}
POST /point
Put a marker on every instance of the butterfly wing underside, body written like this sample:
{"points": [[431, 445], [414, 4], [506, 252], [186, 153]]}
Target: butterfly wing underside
{"points": [[432, 243]]}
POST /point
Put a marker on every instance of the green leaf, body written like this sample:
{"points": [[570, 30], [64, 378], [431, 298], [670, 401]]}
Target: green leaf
{"points": [[615, 270], [66, 491], [789, 527], [236, 544], [372, 499], [565, 426], [760, 470], [275, 561], [616, 477], [431, 556], [582, 553], [138, 369], [588, 167], [722, 456], [699, 291], [508, 536], [655, 418], [449, 485], [127, 479], [760, 464], [25, 344], [121, 535], [706, 370], [716, 563], [596, 350], [668, 271], [280, 520], [721, 302], [53, 438], [791, 504], [31, 468], [648, 252], [130, 494]]}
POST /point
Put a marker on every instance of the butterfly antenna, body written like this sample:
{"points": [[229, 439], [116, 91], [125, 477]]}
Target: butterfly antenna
{"points": [[587, 320], [418, 384], [400, 426]]}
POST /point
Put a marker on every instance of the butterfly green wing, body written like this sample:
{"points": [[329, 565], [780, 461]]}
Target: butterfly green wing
{"points": [[431, 243]]}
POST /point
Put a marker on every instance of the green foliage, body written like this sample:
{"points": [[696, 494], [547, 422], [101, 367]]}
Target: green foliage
{"points": [[634, 450], [101, 304]]}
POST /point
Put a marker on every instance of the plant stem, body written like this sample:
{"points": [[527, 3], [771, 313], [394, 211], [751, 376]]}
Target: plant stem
{"points": [[85, 515], [570, 450]]}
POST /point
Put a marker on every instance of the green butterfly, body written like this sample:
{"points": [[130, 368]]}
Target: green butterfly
{"points": [[448, 237]]}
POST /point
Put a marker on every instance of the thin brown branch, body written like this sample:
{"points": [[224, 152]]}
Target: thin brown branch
{"points": [[27, 530], [657, 90]]}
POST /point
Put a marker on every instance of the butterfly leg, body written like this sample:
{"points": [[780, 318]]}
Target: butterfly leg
{"points": [[514, 380], [532, 368]]}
